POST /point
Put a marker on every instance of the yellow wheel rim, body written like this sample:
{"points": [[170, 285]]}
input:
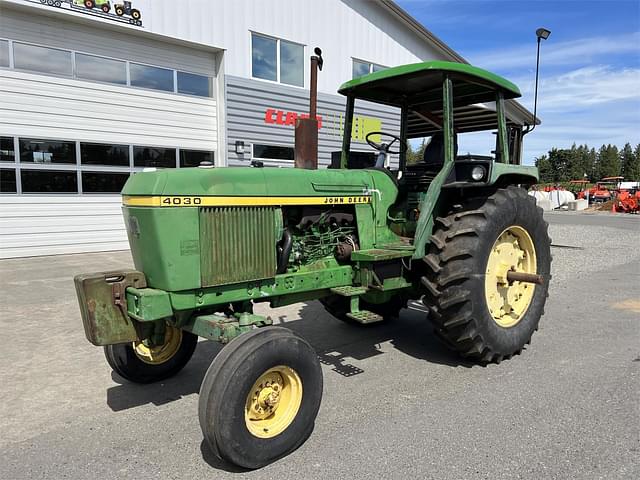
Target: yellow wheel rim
{"points": [[273, 402], [161, 353], [512, 251]]}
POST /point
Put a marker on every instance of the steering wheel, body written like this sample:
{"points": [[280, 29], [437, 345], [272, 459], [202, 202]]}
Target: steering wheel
{"points": [[385, 147]]}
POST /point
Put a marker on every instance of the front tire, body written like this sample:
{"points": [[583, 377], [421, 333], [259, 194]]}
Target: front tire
{"points": [[475, 310], [141, 364], [260, 397]]}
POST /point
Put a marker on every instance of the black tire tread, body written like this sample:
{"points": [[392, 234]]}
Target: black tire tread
{"points": [[447, 295]]}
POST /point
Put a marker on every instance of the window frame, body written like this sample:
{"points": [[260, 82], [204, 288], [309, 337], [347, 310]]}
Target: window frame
{"points": [[262, 159], [16, 178], [79, 168], [278, 40], [136, 168], [212, 77], [9, 53], [148, 89], [12, 59], [371, 65], [103, 82]]}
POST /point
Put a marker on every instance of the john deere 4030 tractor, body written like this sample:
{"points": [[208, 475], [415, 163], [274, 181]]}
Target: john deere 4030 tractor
{"points": [[457, 232]]}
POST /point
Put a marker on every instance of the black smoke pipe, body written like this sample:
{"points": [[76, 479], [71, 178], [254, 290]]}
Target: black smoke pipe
{"points": [[284, 251]]}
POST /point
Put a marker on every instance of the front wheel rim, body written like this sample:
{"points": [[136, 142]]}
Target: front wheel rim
{"points": [[508, 302], [273, 402], [160, 354]]}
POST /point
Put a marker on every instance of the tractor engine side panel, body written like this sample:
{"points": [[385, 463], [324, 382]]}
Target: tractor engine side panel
{"points": [[165, 245]]}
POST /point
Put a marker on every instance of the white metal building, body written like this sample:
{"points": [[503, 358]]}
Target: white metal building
{"points": [[89, 96]]}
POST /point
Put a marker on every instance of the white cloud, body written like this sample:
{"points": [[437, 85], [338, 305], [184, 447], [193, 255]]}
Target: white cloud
{"points": [[584, 87], [594, 105], [569, 53]]}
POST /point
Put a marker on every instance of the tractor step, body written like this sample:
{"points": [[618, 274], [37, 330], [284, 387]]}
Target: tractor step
{"points": [[365, 317], [379, 255], [349, 291]]}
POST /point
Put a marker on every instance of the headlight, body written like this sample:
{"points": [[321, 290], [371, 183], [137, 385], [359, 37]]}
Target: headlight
{"points": [[477, 173]]}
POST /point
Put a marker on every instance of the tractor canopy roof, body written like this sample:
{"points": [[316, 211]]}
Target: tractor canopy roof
{"points": [[419, 86]]}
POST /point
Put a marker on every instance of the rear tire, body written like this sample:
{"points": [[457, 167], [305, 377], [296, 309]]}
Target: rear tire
{"points": [[133, 361], [458, 284], [270, 369]]}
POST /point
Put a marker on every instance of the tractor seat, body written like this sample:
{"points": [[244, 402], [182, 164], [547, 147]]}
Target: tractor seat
{"points": [[433, 155]]}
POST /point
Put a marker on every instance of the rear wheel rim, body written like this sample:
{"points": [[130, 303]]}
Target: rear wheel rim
{"points": [[507, 301], [273, 402], [161, 353]]}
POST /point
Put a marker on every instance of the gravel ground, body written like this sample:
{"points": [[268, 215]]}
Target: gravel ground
{"points": [[397, 403], [578, 248]]}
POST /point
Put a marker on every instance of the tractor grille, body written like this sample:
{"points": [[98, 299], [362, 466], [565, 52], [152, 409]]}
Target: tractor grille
{"points": [[237, 244]]}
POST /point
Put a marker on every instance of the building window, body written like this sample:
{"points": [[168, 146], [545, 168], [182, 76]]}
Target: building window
{"points": [[154, 157], [47, 151], [90, 67], [7, 151], [49, 181], [277, 60], [7, 180], [272, 152], [291, 63], [361, 68], [42, 59], [103, 182], [102, 154], [192, 84], [155, 78], [192, 158], [4, 53]]}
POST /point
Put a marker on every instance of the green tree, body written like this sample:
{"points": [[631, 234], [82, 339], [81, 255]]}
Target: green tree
{"points": [[415, 156], [579, 162], [630, 161], [544, 169], [560, 160], [594, 166], [609, 161]]}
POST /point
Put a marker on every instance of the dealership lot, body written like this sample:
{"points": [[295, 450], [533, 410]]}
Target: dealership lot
{"points": [[397, 404]]}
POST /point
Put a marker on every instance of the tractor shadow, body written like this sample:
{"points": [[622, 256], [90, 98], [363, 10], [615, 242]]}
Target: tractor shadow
{"points": [[342, 347], [345, 346]]}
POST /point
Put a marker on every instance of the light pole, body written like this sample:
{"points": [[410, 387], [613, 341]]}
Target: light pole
{"points": [[542, 34]]}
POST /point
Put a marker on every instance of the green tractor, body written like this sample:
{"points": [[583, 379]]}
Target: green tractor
{"points": [[103, 5], [457, 232]]}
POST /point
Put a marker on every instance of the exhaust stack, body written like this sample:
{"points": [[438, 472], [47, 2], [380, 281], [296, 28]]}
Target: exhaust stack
{"points": [[306, 130]]}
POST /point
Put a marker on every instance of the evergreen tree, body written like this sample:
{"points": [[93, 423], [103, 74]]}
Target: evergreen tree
{"points": [[544, 169], [609, 161], [560, 160], [415, 156], [630, 161], [594, 171], [578, 162]]}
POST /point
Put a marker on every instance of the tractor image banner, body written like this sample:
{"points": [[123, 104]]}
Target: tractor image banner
{"points": [[123, 12]]}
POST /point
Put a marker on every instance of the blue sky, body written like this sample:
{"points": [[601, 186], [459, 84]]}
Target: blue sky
{"points": [[589, 88]]}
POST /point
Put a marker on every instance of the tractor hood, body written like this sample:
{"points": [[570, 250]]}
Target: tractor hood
{"points": [[249, 182]]}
